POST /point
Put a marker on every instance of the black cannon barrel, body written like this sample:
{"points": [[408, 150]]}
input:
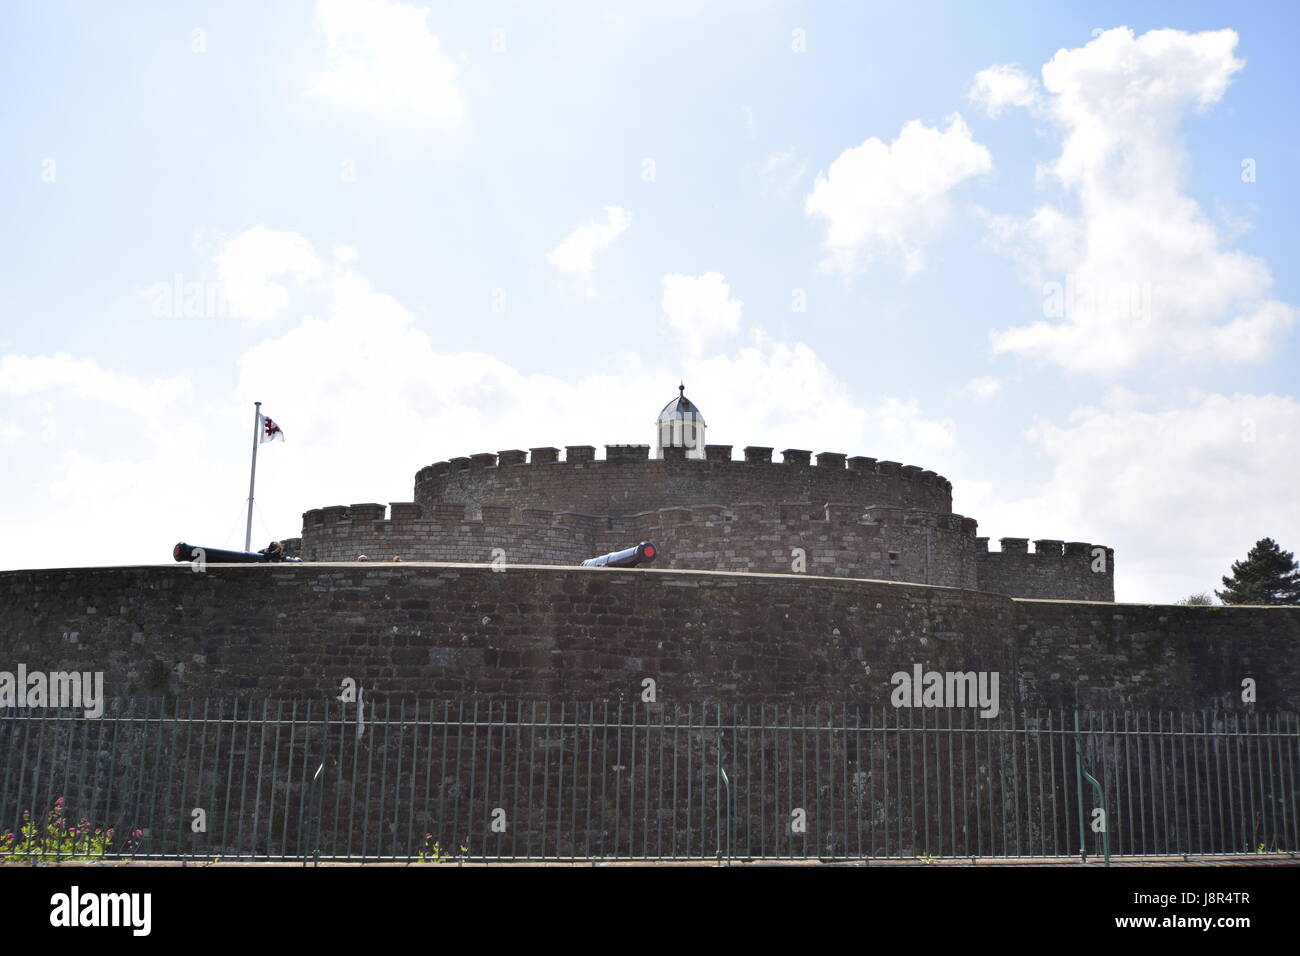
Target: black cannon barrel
{"points": [[188, 552], [643, 553]]}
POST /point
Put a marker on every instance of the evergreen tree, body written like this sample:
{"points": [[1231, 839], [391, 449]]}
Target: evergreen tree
{"points": [[1269, 575]]}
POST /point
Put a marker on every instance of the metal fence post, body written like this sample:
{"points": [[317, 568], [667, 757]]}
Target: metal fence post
{"points": [[1080, 775]]}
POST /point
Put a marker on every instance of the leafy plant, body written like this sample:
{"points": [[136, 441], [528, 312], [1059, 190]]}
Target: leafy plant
{"points": [[56, 839], [431, 851]]}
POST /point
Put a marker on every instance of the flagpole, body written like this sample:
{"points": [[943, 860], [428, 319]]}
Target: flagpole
{"points": [[252, 477]]}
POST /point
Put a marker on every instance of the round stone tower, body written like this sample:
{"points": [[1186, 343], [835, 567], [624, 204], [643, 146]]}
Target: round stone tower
{"points": [[827, 514]]}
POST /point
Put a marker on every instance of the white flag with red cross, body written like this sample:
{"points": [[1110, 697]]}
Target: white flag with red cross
{"points": [[268, 429]]}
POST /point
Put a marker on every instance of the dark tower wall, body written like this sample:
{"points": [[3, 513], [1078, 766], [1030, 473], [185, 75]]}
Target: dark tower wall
{"points": [[824, 514], [1072, 571], [843, 540], [459, 631], [627, 481]]}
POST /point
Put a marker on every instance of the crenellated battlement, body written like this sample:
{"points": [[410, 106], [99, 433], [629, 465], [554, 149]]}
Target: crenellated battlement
{"points": [[628, 454], [1069, 570], [628, 481], [802, 512]]}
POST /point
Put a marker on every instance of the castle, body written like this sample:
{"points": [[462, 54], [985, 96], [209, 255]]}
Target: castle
{"points": [[829, 514], [787, 596], [812, 579]]}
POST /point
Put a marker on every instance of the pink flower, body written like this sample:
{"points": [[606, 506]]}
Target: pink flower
{"points": [[58, 802]]}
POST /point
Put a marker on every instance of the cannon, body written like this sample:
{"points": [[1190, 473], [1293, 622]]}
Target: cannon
{"points": [[188, 552], [642, 553]]}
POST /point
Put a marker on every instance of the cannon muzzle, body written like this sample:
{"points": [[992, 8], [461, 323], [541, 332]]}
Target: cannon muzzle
{"points": [[643, 553]]}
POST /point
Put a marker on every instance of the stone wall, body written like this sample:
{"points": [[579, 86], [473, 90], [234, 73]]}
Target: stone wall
{"points": [[529, 681], [448, 532], [1070, 571], [839, 540], [851, 516], [627, 482], [461, 632], [843, 540]]}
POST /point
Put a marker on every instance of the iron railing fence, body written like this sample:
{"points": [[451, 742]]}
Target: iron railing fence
{"points": [[504, 780]]}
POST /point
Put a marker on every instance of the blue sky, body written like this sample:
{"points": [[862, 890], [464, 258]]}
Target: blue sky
{"points": [[422, 232]]}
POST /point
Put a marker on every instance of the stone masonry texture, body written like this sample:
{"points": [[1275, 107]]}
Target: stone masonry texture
{"points": [[826, 514], [545, 633]]}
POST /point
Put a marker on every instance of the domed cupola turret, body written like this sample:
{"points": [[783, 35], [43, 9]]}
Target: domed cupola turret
{"points": [[681, 425]]}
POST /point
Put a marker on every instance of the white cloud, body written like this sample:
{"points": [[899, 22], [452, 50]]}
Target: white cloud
{"points": [[576, 255], [62, 376], [365, 373], [782, 172], [982, 387], [249, 264], [366, 399], [783, 395], [109, 468], [1138, 272], [1180, 492], [384, 59], [1001, 86], [891, 199], [700, 309], [903, 421]]}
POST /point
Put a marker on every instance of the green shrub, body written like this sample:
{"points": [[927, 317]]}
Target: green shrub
{"points": [[55, 839]]}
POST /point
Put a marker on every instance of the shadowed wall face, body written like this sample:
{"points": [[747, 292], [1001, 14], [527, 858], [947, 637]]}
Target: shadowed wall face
{"points": [[624, 486], [471, 677], [259, 631], [848, 517], [842, 540], [1070, 571]]}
